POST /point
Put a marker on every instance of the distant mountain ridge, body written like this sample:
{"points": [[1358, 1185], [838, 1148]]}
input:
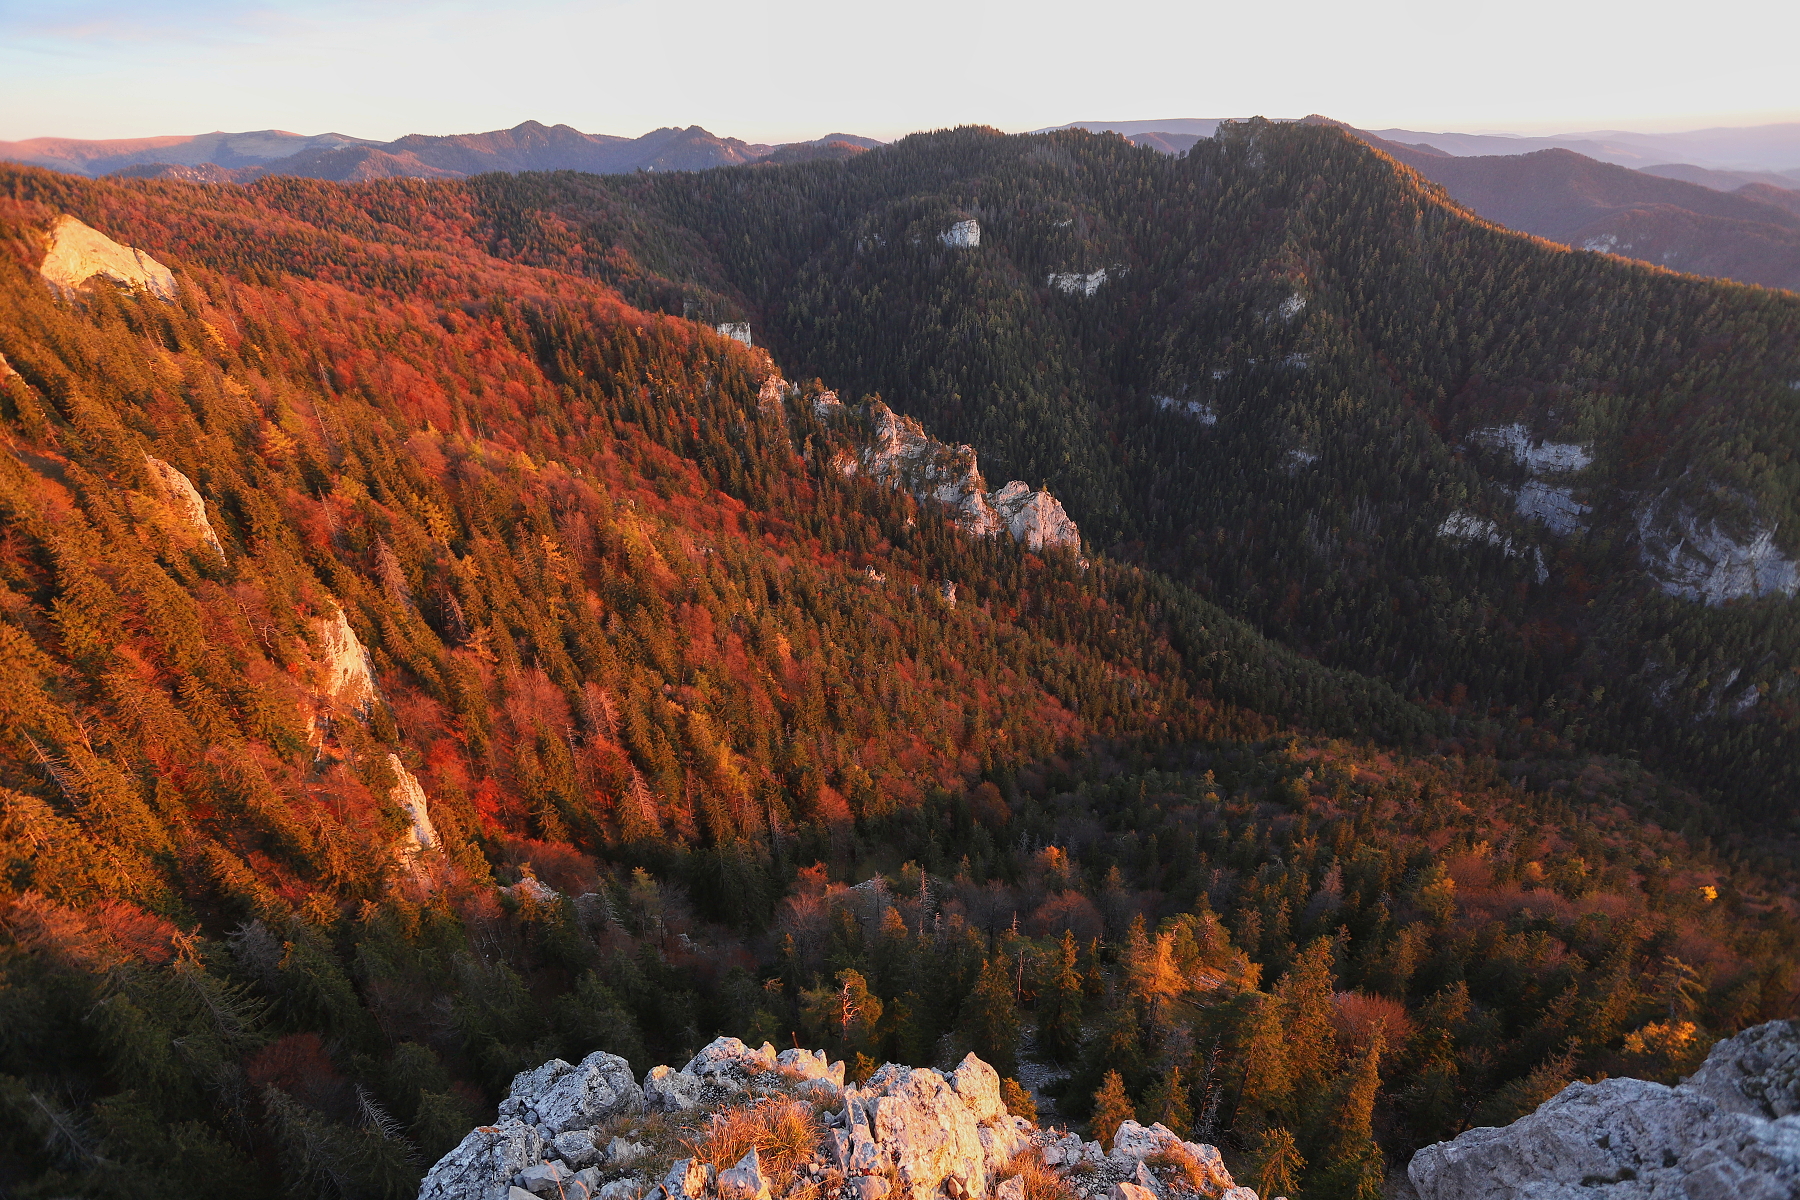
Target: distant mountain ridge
{"points": [[530, 146]]}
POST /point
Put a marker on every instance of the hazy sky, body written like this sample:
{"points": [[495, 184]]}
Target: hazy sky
{"points": [[787, 69]]}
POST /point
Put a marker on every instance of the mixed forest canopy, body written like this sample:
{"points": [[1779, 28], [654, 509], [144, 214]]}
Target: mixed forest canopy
{"points": [[429, 649]]}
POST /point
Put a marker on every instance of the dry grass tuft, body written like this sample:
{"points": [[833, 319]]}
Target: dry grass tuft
{"points": [[784, 1131], [1041, 1182]]}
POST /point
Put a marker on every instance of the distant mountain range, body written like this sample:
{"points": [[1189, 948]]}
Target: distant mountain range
{"points": [[243, 157], [1595, 191], [1756, 149]]}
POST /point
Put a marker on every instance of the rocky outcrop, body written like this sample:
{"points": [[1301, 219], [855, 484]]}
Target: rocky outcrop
{"points": [[559, 1098], [909, 1133], [1697, 560], [1034, 518], [78, 253], [1731, 1132], [345, 676], [1076, 284], [964, 235], [902, 455], [409, 794], [737, 331], [183, 502]]}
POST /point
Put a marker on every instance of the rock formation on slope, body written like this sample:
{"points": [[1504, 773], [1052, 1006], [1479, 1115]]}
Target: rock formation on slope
{"points": [[1731, 1132], [184, 503], [78, 253], [910, 1133], [902, 455]]}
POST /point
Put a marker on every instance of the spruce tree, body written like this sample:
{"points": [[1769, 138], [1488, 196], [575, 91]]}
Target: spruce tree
{"points": [[1112, 1108], [1059, 1004], [990, 1020]]}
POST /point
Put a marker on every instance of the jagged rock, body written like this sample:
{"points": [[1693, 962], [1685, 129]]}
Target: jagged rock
{"points": [[902, 455], [576, 1147], [1756, 1073], [78, 253], [1144, 1179], [744, 1181], [1035, 518], [979, 1086], [484, 1163], [737, 331], [566, 1097], [346, 678], [1715, 1137], [533, 889], [1075, 283], [1242, 1193], [546, 1178], [669, 1090], [410, 796], [1010, 1189], [688, 1179], [1130, 1191], [729, 1064], [621, 1189], [621, 1153], [1697, 560], [920, 1124], [184, 502], [809, 1064], [514, 1192], [1133, 1143]]}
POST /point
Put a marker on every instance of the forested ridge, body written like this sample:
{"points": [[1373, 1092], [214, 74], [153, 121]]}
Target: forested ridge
{"points": [[1295, 464], [702, 742]]}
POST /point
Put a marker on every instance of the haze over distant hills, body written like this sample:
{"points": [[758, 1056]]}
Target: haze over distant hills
{"points": [[531, 146]]}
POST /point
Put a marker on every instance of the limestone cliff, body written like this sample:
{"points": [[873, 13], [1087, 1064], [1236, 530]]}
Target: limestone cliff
{"points": [[184, 503], [590, 1131], [78, 253], [901, 454], [1731, 1132]]}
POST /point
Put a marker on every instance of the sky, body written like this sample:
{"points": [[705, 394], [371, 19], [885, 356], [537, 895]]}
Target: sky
{"points": [[783, 70]]}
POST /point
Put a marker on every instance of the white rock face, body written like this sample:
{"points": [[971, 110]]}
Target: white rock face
{"points": [[1729, 1133], [78, 253], [1194, 409], [483, 1163], [1555, 507], [1538, 457], [347, 679], [564, 1097], [916, 1121], [1701, 562], [410, 796], [1077, 284], [184, 501], [902, 455], [1290, 308], [1035, 518], [1133, 1143], [728, 1059], [737, 331], [964, 235]]}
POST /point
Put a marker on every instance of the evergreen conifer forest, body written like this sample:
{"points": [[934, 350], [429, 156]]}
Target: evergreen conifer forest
{"points": [[534, 682]]}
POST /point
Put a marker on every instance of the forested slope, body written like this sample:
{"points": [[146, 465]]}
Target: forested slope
{"points": [[419, 662], [1496, 473]]}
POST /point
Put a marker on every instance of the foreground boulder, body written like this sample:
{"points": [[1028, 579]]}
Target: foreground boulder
{"points": [[909, 1133], [1731, 1132]]}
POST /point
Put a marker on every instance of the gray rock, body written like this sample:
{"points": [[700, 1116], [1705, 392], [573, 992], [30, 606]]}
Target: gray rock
{"points": [[1756, 1073], [621, 1153], [744, 1181], [621, 1189], [547, 1178], [576, 1147], [1130, 1191], [518, 1193], [1144, 1179], [1707, 1139], [483, 1164], [873, 1187], [688, 1178], [669, 1090], [1010, 1189], [583, 1185], [1239, 1192], [568, 1097]]}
